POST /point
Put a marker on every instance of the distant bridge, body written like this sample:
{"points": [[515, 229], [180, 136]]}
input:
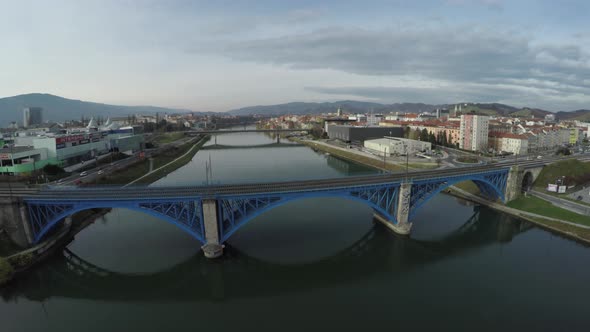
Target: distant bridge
{"points": [[232, 131], [271, 145]]}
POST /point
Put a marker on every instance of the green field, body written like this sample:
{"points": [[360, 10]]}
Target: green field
{"points": [[571, 168], [542, 207], [468, 186], [168, 137]]}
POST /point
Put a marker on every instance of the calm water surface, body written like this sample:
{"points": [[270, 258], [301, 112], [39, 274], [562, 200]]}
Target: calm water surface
{"points": [[311, 264]]}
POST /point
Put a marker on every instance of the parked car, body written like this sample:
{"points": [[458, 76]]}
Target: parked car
{"points": [[100, 172]]}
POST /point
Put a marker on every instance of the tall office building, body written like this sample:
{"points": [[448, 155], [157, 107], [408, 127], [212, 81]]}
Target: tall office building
{"points": [[474, 132], [32, 116]]}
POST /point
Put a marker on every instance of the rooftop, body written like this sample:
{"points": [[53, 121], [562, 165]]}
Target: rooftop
{"points": [[16, 149]]}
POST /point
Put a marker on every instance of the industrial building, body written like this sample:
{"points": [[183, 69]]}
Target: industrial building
{"points": [[397, 146], [16, 160], [30, 150], [360, 134], [74, 148]]}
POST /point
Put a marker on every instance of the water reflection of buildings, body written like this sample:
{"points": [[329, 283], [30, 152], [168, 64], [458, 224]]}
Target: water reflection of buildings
{"points": [[339, 164], [240, 276]]}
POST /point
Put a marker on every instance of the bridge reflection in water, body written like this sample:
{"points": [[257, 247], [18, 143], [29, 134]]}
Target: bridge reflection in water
{"points": [[377, 252]]}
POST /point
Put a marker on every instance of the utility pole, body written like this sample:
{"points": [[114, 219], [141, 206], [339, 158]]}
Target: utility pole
{"points": [[384, 165], [407, 160], [12, 164]]}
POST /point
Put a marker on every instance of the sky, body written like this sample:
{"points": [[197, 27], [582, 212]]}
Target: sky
{"points": [[221, 55]]}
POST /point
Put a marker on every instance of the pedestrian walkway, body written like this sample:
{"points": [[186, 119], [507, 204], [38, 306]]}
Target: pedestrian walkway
{"points": [[512, 211], [563, 203]]}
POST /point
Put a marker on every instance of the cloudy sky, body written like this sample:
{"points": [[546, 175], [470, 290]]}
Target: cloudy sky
{"points": [[219, 55]]}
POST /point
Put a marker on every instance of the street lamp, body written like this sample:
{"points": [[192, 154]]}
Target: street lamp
{"points": [[384, 165]]}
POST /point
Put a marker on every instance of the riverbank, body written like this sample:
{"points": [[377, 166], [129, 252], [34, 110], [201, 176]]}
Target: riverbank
{"points": [[138, 170], [173, 165], [176, 157], [362, 158], [14, 265], [468, 191], [570, 230]]}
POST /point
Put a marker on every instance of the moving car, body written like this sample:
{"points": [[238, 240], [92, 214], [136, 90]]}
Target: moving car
{"points": [[83, 174]]}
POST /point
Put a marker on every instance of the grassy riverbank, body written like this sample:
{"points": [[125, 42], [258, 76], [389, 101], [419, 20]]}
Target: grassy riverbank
{"points": [[6, 271], [176, 163], [539, 206], [168, 137], [568, 230], [142, 168]]}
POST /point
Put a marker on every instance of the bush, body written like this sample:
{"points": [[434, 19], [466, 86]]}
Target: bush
{"points": [[21, 260], [6, 271], [51, 169]]}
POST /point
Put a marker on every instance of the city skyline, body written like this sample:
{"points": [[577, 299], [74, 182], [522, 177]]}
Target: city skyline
{"points": [[206, 57]]}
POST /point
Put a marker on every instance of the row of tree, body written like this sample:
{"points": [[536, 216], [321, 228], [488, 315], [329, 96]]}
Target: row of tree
{"points": [[440, 139]]}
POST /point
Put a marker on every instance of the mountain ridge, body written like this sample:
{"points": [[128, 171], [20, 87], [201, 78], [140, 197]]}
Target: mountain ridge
{"points": [[58, 108]]}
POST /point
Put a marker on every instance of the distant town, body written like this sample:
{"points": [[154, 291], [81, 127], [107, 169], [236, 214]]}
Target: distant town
{"points": [[39, 142]]}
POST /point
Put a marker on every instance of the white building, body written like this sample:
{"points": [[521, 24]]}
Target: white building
{"points": [[397, 146], [509, 143], [474, 132]]}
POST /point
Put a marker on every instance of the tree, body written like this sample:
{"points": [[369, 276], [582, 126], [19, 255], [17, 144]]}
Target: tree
{"points": [[424, 135], [414, 134], [407, 131], [431, 138]]}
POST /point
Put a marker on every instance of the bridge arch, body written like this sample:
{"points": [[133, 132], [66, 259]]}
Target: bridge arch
{"points": [[527, 182], [382, 201], [491, 185], [45, 215]]}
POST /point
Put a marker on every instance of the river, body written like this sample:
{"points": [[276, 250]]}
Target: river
{"points": [[307, 265]]}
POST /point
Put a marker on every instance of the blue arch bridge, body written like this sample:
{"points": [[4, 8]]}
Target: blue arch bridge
{"points": [[211, 214]]}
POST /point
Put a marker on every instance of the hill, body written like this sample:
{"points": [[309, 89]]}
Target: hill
{"points": [[59, 109], [349, 106], [581, 115]]}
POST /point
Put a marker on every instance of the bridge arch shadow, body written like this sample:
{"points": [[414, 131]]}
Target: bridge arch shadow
{"points": [[235, 213], [186, 215]]}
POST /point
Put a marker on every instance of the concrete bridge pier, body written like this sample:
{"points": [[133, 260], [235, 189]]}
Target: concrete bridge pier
{"points": [[14, 221], [516, 181], [403, 226], [211, 249], [513, 184]]}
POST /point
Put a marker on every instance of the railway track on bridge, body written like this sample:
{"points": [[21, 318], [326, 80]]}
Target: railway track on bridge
{"points": [[110, 192]]}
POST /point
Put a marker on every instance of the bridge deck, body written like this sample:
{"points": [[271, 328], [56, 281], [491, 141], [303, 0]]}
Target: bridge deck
{"points": [[131, 192]]}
